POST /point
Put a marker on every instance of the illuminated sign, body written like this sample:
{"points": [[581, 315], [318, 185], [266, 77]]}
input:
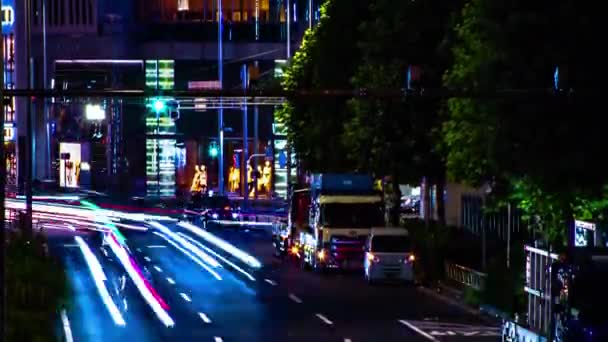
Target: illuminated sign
{"points": [[8, 16], [204, 85], [9, 134], [160, 74], [160, 152], [69, 165]]}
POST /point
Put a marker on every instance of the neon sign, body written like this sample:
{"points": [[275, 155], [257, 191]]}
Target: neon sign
{"points": [[8, 16]]}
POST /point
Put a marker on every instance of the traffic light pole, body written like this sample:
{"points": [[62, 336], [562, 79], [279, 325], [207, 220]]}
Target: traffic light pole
{"points": [[245, 80], [220, 112], [2, 195], [29, 155], [256, 148]]}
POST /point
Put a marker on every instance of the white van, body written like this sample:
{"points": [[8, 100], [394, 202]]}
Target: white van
{"points": [[389, 256]]}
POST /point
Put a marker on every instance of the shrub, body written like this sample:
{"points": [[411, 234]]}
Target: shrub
{"points": [[504, 286], [429, 244], [37, 289]]}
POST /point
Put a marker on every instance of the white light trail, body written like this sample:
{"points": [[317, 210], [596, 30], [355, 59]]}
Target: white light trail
{"points": [[227, 247], [191, 256], [123, 257], [99, 277], [231, 264], [67, 328], [204, 256], [185, 297]]}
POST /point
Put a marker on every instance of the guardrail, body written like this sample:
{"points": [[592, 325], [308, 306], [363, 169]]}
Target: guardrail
{"points": [[466, 276]]}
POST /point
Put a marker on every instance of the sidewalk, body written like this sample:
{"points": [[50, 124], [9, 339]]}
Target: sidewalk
{"points": [[453, 296]]}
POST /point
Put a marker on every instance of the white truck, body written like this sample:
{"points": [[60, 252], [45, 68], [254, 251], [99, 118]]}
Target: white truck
{"points": [[329, 221]]}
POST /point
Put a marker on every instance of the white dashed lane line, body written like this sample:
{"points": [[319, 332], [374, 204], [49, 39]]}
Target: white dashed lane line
{"points": [[418, 330], [271, 282], [218, 339], [185, 296], [139, 249], [204, 317], [324, 319], [147, 259], [157, 246], [171, 281], [158, 269], [295, 298]]}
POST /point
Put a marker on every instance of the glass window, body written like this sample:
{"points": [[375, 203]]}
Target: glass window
{"points": [[390, 244], [352, 215]]}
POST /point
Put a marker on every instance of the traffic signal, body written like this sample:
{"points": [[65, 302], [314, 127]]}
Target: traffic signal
{"points": [[159, 105], [213, 150]]}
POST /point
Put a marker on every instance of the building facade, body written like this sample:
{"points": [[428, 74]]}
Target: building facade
{"points": [[83, 44]]}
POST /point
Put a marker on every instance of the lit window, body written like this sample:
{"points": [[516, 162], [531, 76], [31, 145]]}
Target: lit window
{"points": [[182, 5]]}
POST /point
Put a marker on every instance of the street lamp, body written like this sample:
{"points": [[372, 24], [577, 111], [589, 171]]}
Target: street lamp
{"points": [[95, 112]]}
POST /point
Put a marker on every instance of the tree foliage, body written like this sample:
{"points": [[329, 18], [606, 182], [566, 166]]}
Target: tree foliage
{"points": [[539, 145], [326, 59]]}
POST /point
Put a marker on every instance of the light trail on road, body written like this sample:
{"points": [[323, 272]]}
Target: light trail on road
{"points": [[99, 278], [227, 247]]}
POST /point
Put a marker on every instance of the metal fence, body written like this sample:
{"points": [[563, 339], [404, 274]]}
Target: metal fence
{"points": [[465, 276], [496, 224], [538, 287]]}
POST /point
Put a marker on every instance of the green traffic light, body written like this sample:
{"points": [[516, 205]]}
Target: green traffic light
{"points": [[159, 106], [213, 151]]}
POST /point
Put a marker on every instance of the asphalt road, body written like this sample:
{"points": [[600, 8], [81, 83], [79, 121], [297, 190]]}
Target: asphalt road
{"points": [[282, 303]]}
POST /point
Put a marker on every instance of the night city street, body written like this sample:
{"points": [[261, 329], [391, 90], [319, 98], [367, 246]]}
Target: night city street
{"points": [[281, 304], [303, 170]]}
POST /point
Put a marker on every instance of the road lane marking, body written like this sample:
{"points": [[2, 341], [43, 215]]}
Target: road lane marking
{"points": [[324, 319], [160, 270], [418, 330], [171, 281], [204, 318], [157, 246], [67, 245], [139, 249], [271, 282], [147, 259], [185, 296], [218, 339], [67, 328], [295, 298]]}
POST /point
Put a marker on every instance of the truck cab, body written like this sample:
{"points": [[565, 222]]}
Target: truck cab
{"points": [[389, 256]]}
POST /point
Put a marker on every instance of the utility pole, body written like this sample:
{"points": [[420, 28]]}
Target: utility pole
{"points": [[220, 113], [28, 117], [256, 148], [310, 14], [288, 29], [509, 235], [245, 186], [2, 195], [45, 86]]}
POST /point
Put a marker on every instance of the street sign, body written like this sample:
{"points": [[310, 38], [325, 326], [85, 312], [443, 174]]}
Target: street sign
{"points": [[282, 159]]}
